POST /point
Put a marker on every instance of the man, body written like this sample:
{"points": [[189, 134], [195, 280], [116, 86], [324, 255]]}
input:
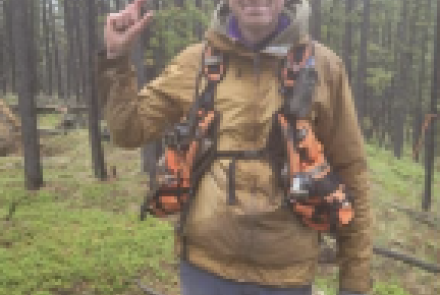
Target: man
{"points": [[254, 246]]}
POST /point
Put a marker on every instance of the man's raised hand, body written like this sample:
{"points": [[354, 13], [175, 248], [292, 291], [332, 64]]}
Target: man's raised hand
{"points": [[123, 28]]}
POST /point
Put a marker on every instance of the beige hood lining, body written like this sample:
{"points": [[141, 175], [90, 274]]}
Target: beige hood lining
{"points": [[297, 32]]}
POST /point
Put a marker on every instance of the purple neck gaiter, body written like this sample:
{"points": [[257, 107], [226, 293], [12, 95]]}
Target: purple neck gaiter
{"points": [[234, 32]]}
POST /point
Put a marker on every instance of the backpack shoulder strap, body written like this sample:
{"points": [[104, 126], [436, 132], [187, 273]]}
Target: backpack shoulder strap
{"points": [[298, 78], [213, 68]]}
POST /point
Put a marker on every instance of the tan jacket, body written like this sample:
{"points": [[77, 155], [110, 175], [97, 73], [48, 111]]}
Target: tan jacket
{"points": [[257, 240]]}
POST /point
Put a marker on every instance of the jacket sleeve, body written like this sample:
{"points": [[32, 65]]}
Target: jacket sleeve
{"points": [[136, 118], [344, 146]]}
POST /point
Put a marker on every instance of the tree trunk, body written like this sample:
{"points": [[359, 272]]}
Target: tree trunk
{"points": [[430, 139], [348, 41], [316, 19], [362, 63], [198, 26], [79, 63], [70, 72], [400, 104], [26, 92], [3, 65], [56, 53], [418, 113], [48, 62], [151, 152], [118, 4], [7, 8], [94, 128]]}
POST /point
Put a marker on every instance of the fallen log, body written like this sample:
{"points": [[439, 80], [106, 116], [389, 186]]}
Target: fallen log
{"points": [[429, 267], [328, 256], [51, 109]]}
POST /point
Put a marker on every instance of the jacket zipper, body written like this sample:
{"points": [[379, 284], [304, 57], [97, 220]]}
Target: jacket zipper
{"points": [[253, 186]]}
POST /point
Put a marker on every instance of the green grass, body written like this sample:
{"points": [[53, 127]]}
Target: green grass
{"points": [[60, 249], [78, 235], [401, 182], [389, 288], [49, 120]]}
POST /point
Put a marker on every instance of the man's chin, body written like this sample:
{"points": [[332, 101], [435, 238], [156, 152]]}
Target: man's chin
{"points": [[257, 24]]}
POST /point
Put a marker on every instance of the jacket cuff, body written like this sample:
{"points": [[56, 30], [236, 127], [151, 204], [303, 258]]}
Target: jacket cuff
{"points": [[111, 73], [120, 64]]}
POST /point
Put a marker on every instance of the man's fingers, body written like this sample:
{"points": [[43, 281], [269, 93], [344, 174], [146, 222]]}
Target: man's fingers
{"points": [[140, 25], [123, 28], [119, 21], [138, 8], [124, 19], [111, 18], [128, 20], [134, 9]]}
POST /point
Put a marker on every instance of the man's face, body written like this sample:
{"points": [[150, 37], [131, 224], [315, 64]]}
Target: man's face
{"points": [[256, 14]]}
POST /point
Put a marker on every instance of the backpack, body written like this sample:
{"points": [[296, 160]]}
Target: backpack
{"points": [[312, 192]]}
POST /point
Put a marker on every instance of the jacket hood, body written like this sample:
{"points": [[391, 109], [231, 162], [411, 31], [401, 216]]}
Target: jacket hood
{"points": [[297, 11]]}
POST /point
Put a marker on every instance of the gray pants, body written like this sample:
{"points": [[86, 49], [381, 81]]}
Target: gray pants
{"points": [[195, 281]]}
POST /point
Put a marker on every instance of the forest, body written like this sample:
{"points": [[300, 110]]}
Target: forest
{"points": [[56, 153]]}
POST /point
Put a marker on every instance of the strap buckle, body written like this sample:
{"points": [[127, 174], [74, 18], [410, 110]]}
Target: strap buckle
{"points": [[213, 64]]}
